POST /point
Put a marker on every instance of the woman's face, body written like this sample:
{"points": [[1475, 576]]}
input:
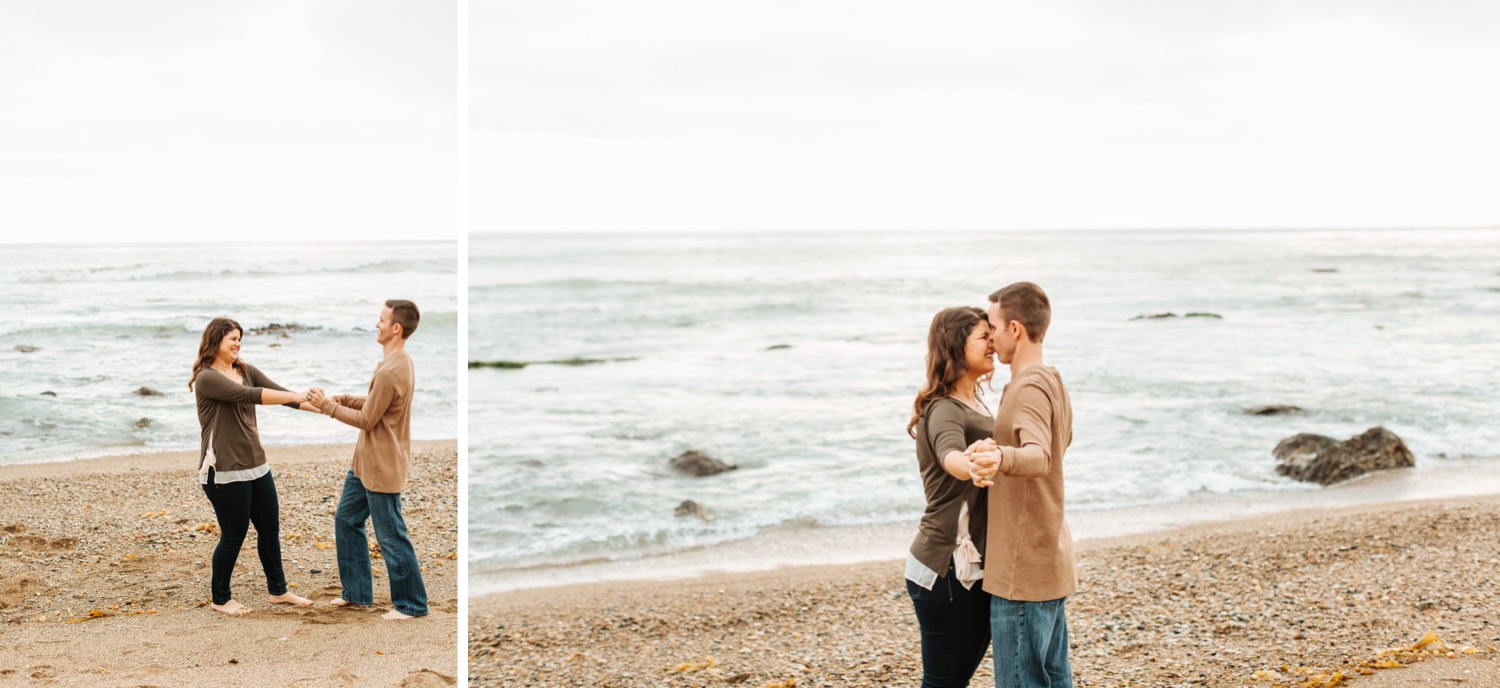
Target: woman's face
{"points": [[979, 351], [229, 347]]}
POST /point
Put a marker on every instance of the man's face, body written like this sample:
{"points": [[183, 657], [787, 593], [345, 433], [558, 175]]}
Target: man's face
{"points": [[386, 328], [1004, 335]]}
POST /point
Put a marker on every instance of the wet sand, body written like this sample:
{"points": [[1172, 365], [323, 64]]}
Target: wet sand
{"points": [[104, 578], [1286, 599]]}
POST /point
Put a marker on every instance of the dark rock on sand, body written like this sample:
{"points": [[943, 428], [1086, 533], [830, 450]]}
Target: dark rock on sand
{"points": [[1324, 460], [1274, 410], [696, 463], [691, 508], [148, 392], [27, 349], [143, 423]]}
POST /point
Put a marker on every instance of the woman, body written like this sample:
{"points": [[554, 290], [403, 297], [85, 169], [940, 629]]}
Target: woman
{"points": [[945, 564], [232, 465]]}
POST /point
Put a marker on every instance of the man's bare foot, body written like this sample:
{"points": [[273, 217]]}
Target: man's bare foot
{"points": [[290, 597], [394, 615], [341, 602], [231, 608]]}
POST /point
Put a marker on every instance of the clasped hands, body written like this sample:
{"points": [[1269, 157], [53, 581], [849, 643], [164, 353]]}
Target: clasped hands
{"points": [[316, 397], [984, 461]]}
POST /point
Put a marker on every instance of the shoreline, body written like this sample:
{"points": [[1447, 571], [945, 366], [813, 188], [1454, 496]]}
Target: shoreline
{"points": [[800, 546], [1322, 589], [104, 568]]}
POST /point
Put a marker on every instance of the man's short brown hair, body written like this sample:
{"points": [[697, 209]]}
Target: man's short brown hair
{"points": [[405, 314], [1026, 303]]}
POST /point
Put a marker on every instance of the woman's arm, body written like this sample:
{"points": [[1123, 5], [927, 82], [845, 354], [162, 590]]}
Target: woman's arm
{"points": [[274, 393], [945, 425]]}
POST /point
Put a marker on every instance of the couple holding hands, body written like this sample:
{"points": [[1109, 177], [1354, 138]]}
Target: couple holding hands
{"points": [[235, 476], [993, 559]]}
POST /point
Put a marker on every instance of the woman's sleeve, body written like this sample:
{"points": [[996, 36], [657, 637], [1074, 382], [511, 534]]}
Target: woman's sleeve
{"points": [[945, 425], [259, 379], [211, 384]]}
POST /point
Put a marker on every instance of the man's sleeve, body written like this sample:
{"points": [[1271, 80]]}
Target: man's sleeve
{"points": [[350, 400], [213, 385], [382, 393], [1033, 425]]}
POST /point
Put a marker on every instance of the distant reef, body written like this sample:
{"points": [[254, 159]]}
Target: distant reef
{"points": [[1164, 316], [575, 361]]}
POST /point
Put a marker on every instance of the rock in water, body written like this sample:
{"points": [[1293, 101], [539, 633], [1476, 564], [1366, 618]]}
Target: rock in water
{"points": [[1324, 460], [148, 392], [143, 423], [27, 349], [696, 463], [691, 508], [1275, 410]]}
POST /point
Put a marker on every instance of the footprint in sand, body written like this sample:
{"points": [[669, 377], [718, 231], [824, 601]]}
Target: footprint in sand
{"points": [[35, 543], [427, 678]]}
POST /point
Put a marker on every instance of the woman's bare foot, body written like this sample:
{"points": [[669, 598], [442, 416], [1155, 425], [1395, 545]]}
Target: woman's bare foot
{"points": [[393, 615], [290, 597], [231, 608]]}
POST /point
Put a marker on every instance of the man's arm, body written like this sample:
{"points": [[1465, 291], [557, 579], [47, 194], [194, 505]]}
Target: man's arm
{"points": [[350, 400], [1033, 423], [371, 409]]}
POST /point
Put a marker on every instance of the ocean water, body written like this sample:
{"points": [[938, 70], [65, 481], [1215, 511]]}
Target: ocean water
{"points": [[797, 357], [89, 326]]}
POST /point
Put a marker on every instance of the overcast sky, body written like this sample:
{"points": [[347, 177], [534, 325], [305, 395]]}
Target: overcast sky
{"points": [[878, 114], [198, 120]]}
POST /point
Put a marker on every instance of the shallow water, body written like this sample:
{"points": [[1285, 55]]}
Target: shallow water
{"points": [[1360, 328], [106, 321]]}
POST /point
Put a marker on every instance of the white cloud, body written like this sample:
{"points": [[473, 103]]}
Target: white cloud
{"points": [[755, 114], [195, 120]]}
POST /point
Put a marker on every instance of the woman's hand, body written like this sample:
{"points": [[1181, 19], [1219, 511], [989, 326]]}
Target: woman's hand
{"points": [[984, 461]]}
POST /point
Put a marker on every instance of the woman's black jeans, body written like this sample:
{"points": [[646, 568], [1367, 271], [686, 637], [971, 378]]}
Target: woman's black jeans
{"points": [[236, 506], [955, 625]]}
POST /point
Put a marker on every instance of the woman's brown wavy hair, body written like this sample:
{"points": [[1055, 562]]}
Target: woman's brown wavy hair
{"points": [[946, 365], [208, 348]]}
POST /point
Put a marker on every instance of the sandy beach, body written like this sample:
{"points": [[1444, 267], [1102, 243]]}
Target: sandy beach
{"points": [[104, 578], [1312, 597]]}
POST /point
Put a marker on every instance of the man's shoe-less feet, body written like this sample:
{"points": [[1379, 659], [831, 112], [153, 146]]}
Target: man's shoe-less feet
{"points": [[291, 598], [394, 615], [341, 602], [231, 608]]}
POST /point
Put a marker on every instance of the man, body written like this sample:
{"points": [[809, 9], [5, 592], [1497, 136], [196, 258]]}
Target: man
{"points": [[1029, 568], [372, 487]]}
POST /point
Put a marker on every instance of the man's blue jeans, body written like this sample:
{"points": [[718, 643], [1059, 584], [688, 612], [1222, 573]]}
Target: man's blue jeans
{"points": [[356, 506], [1031, 644]]}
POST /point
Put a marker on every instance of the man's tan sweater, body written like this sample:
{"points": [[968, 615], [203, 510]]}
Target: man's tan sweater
{"points": [[382, 456], [1030, 552]]}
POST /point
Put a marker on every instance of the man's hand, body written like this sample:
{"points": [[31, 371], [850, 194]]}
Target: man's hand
{"points": [[984, 461]]}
